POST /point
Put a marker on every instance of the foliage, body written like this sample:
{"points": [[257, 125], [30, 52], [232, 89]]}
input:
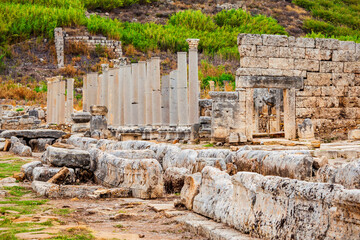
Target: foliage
{"points": [[218, 74], [336, 19]]}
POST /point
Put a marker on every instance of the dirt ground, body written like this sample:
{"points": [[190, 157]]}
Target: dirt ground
{"points": [[23, 215]]}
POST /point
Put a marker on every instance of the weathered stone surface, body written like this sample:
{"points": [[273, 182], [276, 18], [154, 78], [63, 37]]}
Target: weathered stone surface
{"points": [[354, 134], [347, 174], [82, 142], [306, 130], [275, 40], [190, 189], [81, 117], [19, 149], [134, 154], [39, 144], [215, 195], [142, 176], [28, 168], [80, 127], [46, 173], [281, 163], [273, 207], [164, 149], [174, 179], [40, 133], [98, 123], [98, 110], [269, 82], [51, 190], [60, 177], [124, 145], [249, 39], [72, 158], [184, 158]]}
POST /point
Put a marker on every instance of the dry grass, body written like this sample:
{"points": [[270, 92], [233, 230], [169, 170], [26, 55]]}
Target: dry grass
{"points": [[70, 71], [77, 48]]}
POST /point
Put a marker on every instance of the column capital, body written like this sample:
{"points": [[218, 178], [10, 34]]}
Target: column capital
{"points": [[193, 43]]}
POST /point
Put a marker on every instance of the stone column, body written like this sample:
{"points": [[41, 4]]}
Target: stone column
{"points": [[49, 102], [127, 95], [59, 46], [111, 96], [69, 99], [135, 94], [61, 103], [249, 115], [104, 85], [148, 93], [193, 81], [165, 98], [156, 95], [173, 99], [289, 113], [115, 99], [85, 94], [183, 106], [278, 110], [92, 89], [141, 92], [212, 86], [121, 99], [54, 112]]}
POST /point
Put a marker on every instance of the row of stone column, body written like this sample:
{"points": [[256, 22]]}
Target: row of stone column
{"points": [[60, 100], [136, 95]]}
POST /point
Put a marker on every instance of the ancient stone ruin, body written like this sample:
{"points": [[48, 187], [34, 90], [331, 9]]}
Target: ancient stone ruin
{"points": [[249, 164]]}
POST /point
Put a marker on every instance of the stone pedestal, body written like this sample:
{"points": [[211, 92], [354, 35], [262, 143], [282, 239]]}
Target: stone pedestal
{"points": [[98, 122], [306, 130], [81, 122], [289, 113]]}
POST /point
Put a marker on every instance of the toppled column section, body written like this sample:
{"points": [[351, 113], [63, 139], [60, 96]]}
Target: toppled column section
{"points": [[60, 157], [278, 208]]}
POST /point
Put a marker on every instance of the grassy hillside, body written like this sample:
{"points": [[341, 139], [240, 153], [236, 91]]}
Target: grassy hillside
{"points": [[333, 18]]}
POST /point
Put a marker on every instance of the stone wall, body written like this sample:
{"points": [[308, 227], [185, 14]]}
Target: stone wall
{"points": [[330, 69]]}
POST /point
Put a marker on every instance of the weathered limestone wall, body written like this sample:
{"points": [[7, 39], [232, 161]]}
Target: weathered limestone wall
{"points": [[330, 69], [276, 208]]}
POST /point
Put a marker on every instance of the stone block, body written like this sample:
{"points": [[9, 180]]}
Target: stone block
{"points": [[40, 133], [327, 43], [291, 52], [347, 45], [28, 168], [344, 56], [318, 54], [252, 62], [327, 102], [352, 67], [336, 91], [326, 66], [269, 82], [350, 102], [190, 190], [96, 110], [318, 79], [133, 154], [309, 91], [247, 50], [18, 148], [308, 65], [343, 79], [330, 113], [354, 134], [354, 91], [306, 112], [73, 158], [301, 42], [275, 40], [46, 173], [306, 102], [306, 130], [249, 39], [281, 63], [267, 51]]}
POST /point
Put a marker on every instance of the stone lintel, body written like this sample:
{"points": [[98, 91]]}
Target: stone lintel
{"points": [[269, 82]]}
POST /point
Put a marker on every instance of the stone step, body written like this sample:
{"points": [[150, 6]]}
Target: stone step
{"points": [[210, 229]]}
